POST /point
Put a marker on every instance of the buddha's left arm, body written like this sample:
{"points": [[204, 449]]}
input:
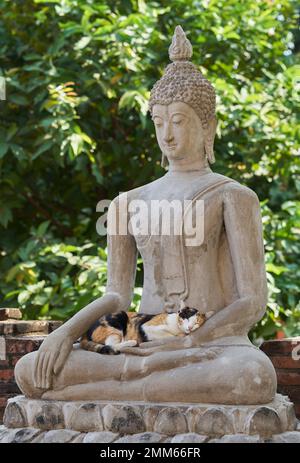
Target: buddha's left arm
{"points": [[243, 225]]}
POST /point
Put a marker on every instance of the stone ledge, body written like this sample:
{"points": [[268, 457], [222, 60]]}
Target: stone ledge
{"points": [[10, 313], [34, 435], [15, 327], [131, 418]]}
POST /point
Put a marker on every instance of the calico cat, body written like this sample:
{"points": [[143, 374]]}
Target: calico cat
{"points": [[128, 329]]}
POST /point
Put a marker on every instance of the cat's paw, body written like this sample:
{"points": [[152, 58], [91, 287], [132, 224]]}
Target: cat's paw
{"points": [[130, 343]]}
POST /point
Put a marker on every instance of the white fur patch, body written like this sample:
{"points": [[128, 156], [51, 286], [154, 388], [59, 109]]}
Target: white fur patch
{"points": [[112, 340], [154, 332]]}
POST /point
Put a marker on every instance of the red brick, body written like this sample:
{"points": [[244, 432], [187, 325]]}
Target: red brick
{"points": [[7, 327], [288, 377], [284, 361], [4, 364], [13, 359], [279, 346], [5, 398], [6, 375], [292, 391], [8, 388], [53, 325], [18, 345], [35, 326]]}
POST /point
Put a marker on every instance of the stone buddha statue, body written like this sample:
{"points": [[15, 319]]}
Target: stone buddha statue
{"points": [[224, 272]]}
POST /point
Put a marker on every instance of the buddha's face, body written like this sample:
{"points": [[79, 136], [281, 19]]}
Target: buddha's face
{"points": [[179, 132]]}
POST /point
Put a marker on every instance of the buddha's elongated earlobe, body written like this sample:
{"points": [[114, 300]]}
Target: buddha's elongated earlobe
{"points": [[209, 140], [164, 162], [209, 151]]}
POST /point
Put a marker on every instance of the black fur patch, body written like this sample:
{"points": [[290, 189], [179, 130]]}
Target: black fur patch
{"points": [[108, 350], [118, 321], [92, 329], [187, 312], [141, 319]]}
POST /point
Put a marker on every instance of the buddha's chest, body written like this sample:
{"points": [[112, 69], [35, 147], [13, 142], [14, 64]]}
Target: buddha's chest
{"points": [[190, 217]]}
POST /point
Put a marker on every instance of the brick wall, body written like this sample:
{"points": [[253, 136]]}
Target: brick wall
{"points": [[285, 356], [17, 338]]}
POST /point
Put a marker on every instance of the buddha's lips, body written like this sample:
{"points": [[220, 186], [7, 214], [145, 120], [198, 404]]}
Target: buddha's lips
{"points": [[170, 147]]}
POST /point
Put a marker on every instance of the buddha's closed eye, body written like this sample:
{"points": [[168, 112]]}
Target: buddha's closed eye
{"points": [[158, 122], [178, 119]]}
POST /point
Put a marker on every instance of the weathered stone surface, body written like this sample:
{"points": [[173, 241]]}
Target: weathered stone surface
{"points": [[124, 419], [10, 313], [150, 415], [45, 415], [83, 417], [170, 421], [237, 439], [79, 438], [86, 416], [168, 440], [214, 422], [65, 435], [104, 437], [3, 431], [19, 435], [291, 419], [57, 436], [189, 438], [144, 437], [287, 437], [264, 421], [298, 425], [21, 327], [14, 416]]}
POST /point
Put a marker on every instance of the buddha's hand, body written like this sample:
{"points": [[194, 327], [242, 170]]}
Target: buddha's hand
{"points": [[151, 347], [191, 340], [51, 357]]}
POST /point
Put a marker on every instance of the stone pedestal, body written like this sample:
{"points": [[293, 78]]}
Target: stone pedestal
{"points": [[28, 420]]}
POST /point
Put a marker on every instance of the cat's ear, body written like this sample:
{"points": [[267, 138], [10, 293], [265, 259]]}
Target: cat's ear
{"points": [[209, 314]]}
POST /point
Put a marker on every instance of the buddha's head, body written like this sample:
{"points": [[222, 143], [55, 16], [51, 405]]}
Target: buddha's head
{"points": [[182, 105]]}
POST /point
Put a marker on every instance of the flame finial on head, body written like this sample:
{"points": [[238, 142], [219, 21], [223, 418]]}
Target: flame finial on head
{"points": [[180, 48]]}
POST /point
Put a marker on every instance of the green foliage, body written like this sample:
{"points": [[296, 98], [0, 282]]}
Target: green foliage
{"points": [[55, 278], [75, 129]]}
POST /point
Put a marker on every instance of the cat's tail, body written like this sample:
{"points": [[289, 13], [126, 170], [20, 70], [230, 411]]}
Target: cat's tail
{"points": [[99, 348]]}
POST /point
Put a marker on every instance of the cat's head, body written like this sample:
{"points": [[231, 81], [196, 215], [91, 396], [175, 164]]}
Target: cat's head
{"points": [[189, 319]]}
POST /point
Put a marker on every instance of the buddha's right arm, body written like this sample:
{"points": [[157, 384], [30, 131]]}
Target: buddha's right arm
{"points": [[121, 268], [120, 283], [122, 256]]}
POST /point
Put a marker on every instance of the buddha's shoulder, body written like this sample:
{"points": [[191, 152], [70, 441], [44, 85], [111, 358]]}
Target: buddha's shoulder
{"points": [[232, 190], [141, 192]]}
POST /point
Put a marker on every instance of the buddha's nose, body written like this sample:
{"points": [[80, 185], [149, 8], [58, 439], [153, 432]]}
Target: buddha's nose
{"points": [[168, 134]]}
